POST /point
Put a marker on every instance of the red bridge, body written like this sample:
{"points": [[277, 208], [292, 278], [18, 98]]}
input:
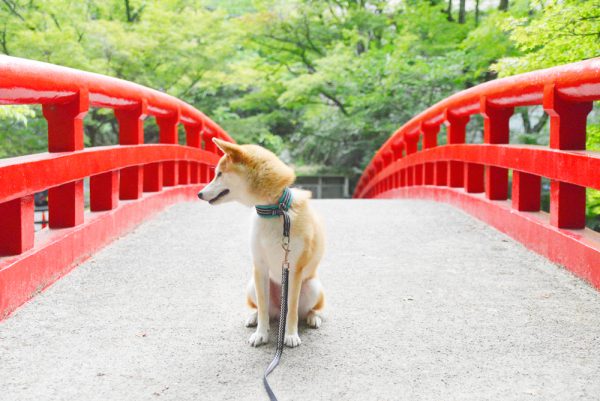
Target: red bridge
{"points": [[475, 177], [153, 175], [423, 301]]}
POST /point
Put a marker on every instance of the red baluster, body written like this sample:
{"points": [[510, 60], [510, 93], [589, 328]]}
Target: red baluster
{"points": [[495, 131], [17, 229], [567, 132], [131, 132], [65, 134], [193, 138], [104, 191], [526, 190], [456, 127], [209, 146], [430, 133], [168, 135]]}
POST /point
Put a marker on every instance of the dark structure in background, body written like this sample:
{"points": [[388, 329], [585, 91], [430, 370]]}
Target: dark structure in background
{"points": [[325, 187]]}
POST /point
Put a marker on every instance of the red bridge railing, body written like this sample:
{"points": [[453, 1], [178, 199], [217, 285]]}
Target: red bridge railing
{"points": [[475, 177], [127, 182]]}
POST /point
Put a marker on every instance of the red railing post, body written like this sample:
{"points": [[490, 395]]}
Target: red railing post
{"points": [[429, 133], [397, 151], [153, 177], [168, 134], [131, 132], [388, 157], [378, 168], [193, 138], [473, 178], [65, 134], [16, 230], [412, 142], [495, 131], [209, 146], [104, 191], [567, 201], [526, 191], [184, 172], [456, 128]]}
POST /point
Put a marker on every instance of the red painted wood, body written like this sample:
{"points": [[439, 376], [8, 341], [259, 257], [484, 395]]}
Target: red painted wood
{"points": [[65, 205], [153, 177], [577, 167], [131, 132], [104, 191], [567, 132], [65, 122], [473, 178], [184, 173], [65, 96], [21, 175], [16, 230], [131, 184], [566, 93], [32, 82], [410, 176], [526, 191], [193, 135], [441, 173], [57, 251], [567, 205], [430, 133], [419, 174], [204, 173], [168, 134], [194, 173], [456, 129], [496, 131]]}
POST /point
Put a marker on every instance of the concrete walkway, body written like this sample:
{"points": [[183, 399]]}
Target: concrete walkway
{"points": [[424, 303]]}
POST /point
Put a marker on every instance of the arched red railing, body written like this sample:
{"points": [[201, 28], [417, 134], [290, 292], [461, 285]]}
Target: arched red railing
{"points": [[127, 182], [476, 176]]}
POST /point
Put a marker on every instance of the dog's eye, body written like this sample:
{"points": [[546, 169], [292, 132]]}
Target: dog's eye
{"points": [[219, 174]]}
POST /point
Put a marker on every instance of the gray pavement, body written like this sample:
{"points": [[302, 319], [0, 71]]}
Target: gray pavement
{"points": [[423, 303]]}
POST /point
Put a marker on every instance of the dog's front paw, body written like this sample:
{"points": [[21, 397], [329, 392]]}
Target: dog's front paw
{"points": [[313, 320], [292, 340], [252, 320], [258, 338]]}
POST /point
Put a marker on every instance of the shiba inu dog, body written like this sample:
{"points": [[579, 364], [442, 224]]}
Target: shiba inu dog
{"points": [[253, 176]]}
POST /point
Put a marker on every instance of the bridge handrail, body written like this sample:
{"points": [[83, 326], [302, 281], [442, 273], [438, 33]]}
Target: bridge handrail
{"points": [[150, 175], [32, 82], [411, 163]]}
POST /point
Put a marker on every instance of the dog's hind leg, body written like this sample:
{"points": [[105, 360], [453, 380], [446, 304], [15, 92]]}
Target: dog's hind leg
{"points": [[312, 301]]}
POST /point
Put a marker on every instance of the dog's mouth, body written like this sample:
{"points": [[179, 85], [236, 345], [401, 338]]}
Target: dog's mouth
{"points": [[221, 194]]}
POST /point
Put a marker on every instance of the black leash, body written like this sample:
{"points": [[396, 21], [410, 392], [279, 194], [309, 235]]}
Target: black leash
{"points": [[281, 209]]}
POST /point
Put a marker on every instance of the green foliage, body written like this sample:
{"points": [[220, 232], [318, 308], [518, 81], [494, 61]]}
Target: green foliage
{"points": [[322, 82], [20, 132], [550, 33]]}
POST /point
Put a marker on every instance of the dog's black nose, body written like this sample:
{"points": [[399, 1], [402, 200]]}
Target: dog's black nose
{"points": [[200, 195]]}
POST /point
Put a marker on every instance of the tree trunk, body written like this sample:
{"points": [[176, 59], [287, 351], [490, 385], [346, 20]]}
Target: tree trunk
{"points": [[462, 12], [503, 6], [476, 12], [449, 11]]}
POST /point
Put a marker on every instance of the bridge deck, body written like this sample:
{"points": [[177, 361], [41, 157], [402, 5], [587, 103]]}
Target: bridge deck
{"points": [[424, 303]]}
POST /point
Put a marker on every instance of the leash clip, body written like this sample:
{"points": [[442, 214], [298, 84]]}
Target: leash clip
{"points": [[285, 243]]}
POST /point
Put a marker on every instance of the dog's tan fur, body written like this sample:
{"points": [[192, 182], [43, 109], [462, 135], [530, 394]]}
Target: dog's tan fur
{"points": [[253, 175]]}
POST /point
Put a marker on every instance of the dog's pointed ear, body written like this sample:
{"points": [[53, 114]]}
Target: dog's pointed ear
{"points": [[232, 150]]}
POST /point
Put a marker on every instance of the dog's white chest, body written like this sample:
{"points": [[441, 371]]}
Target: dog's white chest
{"points": [[267, 252]]}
